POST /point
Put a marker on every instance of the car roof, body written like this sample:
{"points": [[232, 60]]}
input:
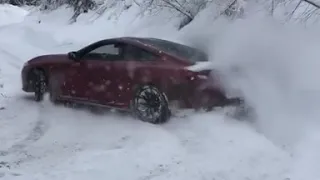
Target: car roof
{"points": [[180, 51], [173, 48]]}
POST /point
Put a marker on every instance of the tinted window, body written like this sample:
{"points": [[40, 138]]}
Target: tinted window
{"points": [[107, 49], [136, 53], [108, 52], [186, 52]]}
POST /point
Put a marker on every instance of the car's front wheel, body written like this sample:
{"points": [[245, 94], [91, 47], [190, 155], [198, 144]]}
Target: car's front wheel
{"points": [[40, 84], [150, 105]]}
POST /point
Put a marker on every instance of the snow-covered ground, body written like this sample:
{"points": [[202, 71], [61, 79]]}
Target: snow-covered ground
{"points": [[274, 67], [10, 14]]}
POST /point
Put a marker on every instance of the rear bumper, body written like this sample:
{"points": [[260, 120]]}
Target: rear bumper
{"points": [[206, 96], [212, 97]]}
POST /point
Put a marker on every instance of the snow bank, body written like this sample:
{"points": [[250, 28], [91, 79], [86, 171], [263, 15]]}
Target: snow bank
{"points": [[11, 14]]}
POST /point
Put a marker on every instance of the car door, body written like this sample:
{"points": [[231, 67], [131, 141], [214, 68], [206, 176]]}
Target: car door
{"points": [[76, 80], [134, 68], [99, 71], [67, 80]]}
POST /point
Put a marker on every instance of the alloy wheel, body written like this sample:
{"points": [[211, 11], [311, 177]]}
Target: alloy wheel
{"points": [[150, 105]]}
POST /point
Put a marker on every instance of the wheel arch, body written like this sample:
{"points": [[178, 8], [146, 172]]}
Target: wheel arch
{"points": [[31, 75]]}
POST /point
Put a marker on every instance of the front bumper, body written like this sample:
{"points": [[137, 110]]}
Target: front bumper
{"points": [[26, 84]]}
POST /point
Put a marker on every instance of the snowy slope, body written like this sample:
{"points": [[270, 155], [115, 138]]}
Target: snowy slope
{"points": [[257, 56], [11, 14]]}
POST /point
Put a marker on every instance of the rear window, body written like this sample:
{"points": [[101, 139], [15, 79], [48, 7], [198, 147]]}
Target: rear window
{"points": [[190, 54]]}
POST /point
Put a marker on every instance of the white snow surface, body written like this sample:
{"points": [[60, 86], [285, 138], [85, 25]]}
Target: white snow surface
{"points": [[10, 14], [274, 67]]}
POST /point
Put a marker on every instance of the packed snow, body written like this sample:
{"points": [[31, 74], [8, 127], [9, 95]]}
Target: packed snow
{"points": [[273, 66]]}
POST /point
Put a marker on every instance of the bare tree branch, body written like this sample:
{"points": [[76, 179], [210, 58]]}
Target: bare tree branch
{"points": [[178, 8], [312, 3], [135, 1], [272, 7], [294, 10]]}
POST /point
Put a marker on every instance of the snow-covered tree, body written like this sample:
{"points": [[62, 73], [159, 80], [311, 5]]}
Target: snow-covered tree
{"points": [[188, 9], [287, 10], [20, 2]]}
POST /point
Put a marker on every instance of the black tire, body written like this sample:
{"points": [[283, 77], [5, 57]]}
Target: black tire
{"points": [[156, 110], [40, 84]]}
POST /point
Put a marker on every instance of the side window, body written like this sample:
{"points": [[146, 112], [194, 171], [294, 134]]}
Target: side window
{"points": [[138, 54], [109, 49], [106, 52]]}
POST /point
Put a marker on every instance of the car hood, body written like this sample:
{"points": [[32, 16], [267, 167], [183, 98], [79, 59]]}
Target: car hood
{"points": [[50, 58]]}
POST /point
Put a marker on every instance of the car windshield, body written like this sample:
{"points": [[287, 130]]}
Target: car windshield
{"points": [[188, 53]]}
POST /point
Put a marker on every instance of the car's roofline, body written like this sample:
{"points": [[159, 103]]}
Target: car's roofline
{"points": [[137, 41]]}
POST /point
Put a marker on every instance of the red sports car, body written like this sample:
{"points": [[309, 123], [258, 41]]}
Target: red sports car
{"points": [[142, 75]]}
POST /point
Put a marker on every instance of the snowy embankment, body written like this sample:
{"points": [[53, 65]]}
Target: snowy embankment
{"points": [[11, 14], [275, 73]]}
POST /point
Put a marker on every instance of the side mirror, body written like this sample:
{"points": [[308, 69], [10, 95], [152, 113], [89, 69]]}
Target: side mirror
{"points": [[73, 55]]}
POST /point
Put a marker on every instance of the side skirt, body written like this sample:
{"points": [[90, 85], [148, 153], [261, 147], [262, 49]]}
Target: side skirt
{"points": [[83, 101]]}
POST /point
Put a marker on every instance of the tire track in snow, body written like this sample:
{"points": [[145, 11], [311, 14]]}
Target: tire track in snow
{"points": [[18, 153], [15, 61], [36, 133]]}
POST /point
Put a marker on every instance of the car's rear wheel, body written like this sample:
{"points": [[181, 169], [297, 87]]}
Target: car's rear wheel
{"points": [[40, 84], [150, 105]]}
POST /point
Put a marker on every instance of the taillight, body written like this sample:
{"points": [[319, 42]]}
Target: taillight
{"points": [[205, 79]]}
